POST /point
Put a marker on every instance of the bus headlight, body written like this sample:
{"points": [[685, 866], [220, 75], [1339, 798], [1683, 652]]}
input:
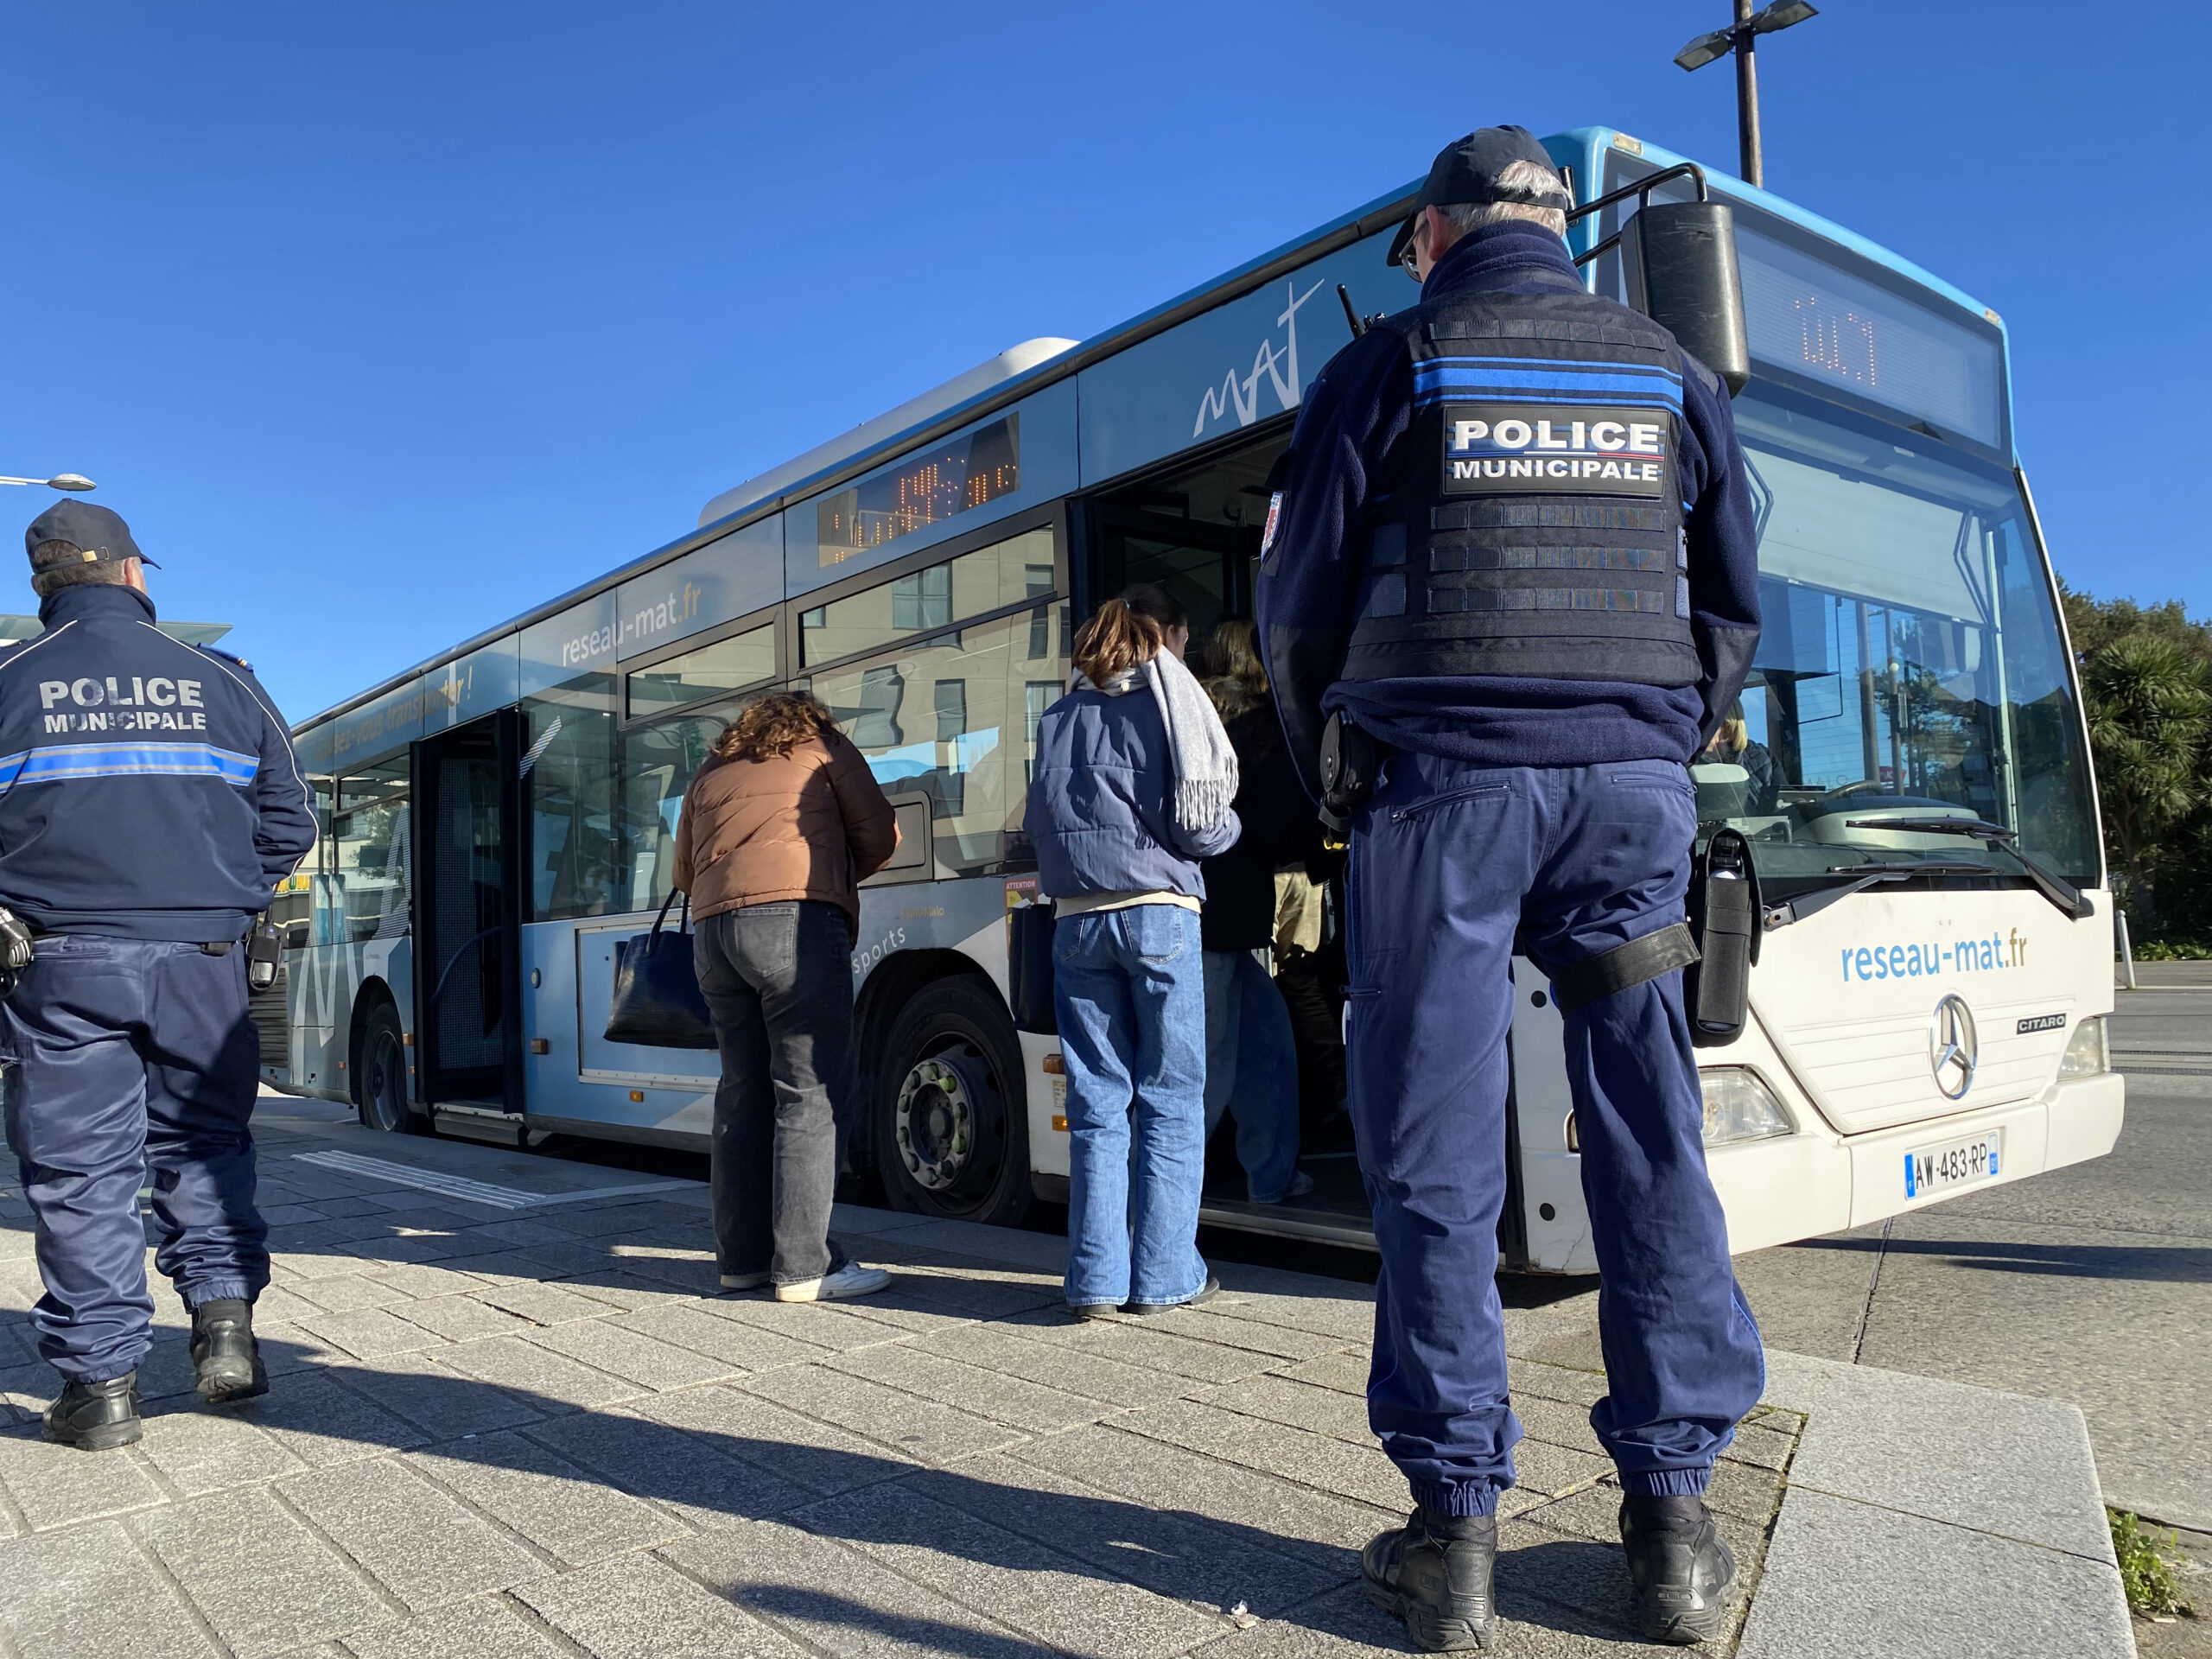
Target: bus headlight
{"points": [[1738, 1106], [2087, 1056]]}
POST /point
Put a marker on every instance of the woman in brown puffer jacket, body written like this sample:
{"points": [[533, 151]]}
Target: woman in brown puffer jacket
{"points": [[777, 829]]}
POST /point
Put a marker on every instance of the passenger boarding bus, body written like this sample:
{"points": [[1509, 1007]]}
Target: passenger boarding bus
{"points": [[1911, 768]]}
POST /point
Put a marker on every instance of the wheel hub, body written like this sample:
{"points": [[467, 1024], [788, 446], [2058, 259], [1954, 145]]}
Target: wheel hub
{"points": [[937, 1121]]}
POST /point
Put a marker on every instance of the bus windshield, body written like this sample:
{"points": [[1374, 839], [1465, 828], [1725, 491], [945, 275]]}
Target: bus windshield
{"points": [[1910, 663]]}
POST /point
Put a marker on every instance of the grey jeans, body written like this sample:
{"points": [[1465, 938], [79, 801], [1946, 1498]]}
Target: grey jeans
{"points": [[779, 981]]}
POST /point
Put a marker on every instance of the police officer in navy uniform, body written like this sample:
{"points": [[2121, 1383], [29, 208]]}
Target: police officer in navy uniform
{"points": [[1513, 561], [150, 803]]}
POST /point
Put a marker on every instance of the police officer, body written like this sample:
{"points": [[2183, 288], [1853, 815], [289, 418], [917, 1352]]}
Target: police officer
{"points": [[1513, 560], [150, 803]]}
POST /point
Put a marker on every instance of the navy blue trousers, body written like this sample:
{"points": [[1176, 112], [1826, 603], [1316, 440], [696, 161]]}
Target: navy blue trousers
{"points": [[133, 1057], [1451, 865]]}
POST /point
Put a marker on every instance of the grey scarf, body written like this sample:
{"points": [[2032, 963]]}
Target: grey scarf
{"points": [[1204, 763]]}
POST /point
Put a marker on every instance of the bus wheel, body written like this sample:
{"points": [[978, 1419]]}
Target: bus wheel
{"points": [[951, 1130], [380, 1082]]}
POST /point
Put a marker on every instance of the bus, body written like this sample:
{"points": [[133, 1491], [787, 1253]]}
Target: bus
{"points": [[1909, 763]]}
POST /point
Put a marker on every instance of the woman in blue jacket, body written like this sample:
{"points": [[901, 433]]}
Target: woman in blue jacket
{"points": [[1135, 778]]}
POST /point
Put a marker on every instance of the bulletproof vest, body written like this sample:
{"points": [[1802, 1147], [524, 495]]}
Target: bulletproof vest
{"points": [[1538, 531]]}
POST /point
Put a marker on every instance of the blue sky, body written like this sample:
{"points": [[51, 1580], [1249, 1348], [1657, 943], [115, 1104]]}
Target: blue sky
{"points": [[383, 323]]}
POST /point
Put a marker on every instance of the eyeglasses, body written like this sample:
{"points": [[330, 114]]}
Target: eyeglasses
{"points": [[1411, 257]]}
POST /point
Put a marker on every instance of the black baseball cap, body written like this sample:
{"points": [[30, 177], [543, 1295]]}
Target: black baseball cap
{"points": [[91, 533], [1467, 169]]}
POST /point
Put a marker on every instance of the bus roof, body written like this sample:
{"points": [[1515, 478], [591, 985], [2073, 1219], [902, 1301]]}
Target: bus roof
{"points": [[1024, 369]]}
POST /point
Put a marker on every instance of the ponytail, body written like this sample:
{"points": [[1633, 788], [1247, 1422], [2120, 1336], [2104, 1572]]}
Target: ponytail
{"points": [[1115, 641]]}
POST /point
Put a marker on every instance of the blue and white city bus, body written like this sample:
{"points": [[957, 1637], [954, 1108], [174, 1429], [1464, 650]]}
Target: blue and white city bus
{"points": [[1928, 1008]]}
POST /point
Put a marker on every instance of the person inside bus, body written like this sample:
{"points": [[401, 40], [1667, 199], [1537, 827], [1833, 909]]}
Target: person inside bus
{"points": [[1731, 745], [1134, 784], [1251, 1052], [1509, 662], [777, 830]]}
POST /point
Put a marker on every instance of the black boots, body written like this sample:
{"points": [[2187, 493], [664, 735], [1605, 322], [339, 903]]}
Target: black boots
{"points": [[1435, 1575], [99, 1416], [225, 1356], [95, 1417], [1683, 1572]]}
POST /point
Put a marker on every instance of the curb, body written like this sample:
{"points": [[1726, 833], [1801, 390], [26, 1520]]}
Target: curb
{"points": [[1935, 1519]]}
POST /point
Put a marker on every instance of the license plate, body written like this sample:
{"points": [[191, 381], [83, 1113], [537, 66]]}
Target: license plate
{"points": [[1963, 1163]]}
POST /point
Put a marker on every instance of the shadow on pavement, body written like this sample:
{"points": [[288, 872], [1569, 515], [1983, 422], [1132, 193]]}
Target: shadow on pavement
{"points": [[2163, 1264]]}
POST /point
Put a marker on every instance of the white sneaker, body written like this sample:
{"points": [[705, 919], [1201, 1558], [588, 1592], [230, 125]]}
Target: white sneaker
{"points": [[851, 1279], [744, 1281]]}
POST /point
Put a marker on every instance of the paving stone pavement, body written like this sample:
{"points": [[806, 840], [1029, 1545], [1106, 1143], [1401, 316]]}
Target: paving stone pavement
{"points": [[545, 1432]]}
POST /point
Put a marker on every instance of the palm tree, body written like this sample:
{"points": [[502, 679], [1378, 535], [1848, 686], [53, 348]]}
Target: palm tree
{"points": [[2150, 725]]}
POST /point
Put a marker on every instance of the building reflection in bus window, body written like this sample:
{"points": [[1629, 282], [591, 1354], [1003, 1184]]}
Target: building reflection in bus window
{"points": [[726, 665], [1006, 572], [1909, 660], [956, 717], [569, 775], [658, 762], [364, 893]]}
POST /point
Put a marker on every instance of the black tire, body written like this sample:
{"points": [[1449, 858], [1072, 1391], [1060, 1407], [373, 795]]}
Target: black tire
{"points": [[949, 1109], [380, 1075]]}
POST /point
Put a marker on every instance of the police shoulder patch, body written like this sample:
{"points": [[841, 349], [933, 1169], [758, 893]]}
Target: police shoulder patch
{"points": [[227, 656]]}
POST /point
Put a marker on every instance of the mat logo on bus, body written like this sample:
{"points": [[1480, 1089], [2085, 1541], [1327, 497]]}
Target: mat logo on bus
{"points": [[1593, 451]]}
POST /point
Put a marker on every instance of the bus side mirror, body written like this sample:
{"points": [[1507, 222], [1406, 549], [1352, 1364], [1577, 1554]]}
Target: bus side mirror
{"points": [[1680, 259]]}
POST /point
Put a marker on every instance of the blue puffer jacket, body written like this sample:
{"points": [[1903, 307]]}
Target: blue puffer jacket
{"points": [[1101, 810]]}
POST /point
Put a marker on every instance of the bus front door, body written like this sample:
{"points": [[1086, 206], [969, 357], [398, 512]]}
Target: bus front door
{"points": [[469, 926]]}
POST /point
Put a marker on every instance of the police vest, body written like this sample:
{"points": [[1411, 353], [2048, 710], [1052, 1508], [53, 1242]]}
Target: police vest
{"points": [[1538, 532]]}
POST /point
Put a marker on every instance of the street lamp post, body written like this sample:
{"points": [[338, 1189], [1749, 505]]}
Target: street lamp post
{"points": [[1738, 39], [58, 481]]}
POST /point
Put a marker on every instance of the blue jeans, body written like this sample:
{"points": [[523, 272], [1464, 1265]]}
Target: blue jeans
{"points": [[134, 1061], [1450, 863], [1252, 1069], [1128, 988]]}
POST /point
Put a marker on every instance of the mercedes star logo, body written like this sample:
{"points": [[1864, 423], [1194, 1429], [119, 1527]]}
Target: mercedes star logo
{"points": [[1953, 1048]]}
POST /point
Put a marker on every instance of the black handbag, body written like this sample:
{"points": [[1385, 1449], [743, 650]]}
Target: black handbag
{"points": [[657, 999]]}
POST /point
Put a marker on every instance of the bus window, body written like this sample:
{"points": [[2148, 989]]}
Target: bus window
{"points": [[568, 772], [991, 578], [1909, 660], [658, 762], [724, 666], [956, 716], [371, 866], [325, 908]]}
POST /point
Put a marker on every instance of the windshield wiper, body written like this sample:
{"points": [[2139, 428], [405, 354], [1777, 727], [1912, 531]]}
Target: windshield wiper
{"points": [[2062, 893], [1797, 910]]}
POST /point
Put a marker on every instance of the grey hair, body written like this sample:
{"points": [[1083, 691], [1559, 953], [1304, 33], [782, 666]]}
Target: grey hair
{"points": [[50, 574], [1466, 216]]}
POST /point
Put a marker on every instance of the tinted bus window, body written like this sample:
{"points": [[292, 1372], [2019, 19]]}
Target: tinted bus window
{"points": [[975, 584], [658, 762], [372, 863], [955, 717], [575, 846], [726, 665]]}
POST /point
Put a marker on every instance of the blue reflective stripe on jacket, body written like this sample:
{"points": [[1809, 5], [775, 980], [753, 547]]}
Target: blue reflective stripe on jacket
{"points": [[147, 788], [127, 760]]}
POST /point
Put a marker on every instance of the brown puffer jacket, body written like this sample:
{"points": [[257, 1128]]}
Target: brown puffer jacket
{"points": [[809, 824]]}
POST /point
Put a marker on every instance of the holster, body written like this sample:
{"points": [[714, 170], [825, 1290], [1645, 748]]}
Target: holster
{"points": [[1350, 756], [1727, 911], [264, 953], [1715, 948]]}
